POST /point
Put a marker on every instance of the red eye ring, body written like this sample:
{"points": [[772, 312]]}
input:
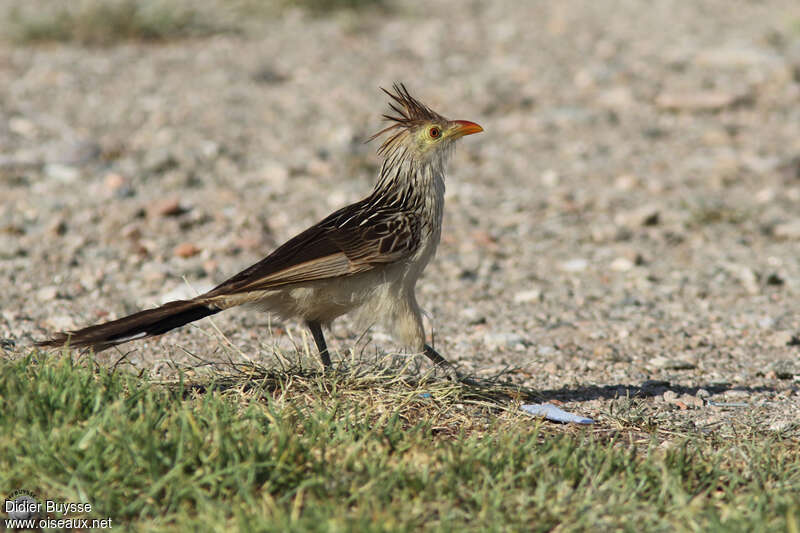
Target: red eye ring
{"points": [[434, 132]]}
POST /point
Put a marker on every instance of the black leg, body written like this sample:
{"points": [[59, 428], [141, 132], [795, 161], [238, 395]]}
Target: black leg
{"points": [[319, 338], [441, 362]]}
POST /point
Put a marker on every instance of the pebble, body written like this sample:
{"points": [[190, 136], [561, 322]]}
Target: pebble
{"points": [[550, 178], [782, 338], [186, 250], [497, 340], [691, 401], [746, 275], [276, 175], [621, 264], [473, 316], [671, 364], [532, 295], [62, 173], [648, 215], [159, 160], [616, 98], [59, 323], [22, 126], [545, 351], [168, 208], [73, 152], [788, 230], [47, 294], [574, 265], [113, 182]]}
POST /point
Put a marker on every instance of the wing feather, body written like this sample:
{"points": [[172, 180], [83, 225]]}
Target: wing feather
{"points": [[354, 239]]}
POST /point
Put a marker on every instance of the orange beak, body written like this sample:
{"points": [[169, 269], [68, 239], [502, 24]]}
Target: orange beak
{"points": [[465, 127]]}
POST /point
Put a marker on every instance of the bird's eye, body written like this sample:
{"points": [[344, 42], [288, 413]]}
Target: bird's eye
{"points": [[434, 132]]}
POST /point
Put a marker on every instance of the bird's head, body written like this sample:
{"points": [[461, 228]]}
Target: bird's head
{"points": [[417, 131]]}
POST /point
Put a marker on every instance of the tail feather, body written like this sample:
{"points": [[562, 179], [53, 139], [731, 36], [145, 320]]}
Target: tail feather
{"points": [[140, 325]]}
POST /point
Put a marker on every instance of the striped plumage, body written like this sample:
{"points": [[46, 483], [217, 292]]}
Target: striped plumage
{"points": [[366, 256]]}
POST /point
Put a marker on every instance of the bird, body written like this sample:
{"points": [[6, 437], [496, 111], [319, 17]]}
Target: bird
{"points": [[364, 257]]}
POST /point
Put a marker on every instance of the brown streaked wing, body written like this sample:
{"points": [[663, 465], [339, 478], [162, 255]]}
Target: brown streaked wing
{"points": [[349, 241], [385, 236]]}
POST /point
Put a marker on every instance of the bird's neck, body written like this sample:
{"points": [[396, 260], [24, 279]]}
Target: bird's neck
{"points": [[411, 184]]}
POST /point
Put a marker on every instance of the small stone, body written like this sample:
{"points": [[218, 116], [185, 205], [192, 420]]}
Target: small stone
{"points": [[545, 351], [59, 323], [497, 340], [670, 396], [47, 294], [277, 175], [616, 98], [765, 196], [209, 149], [550, 178], [63, 173], [787, 230], [532, 295], [604, 232], [648, 215], [159, 160], [626, 182], [210, 266], [551, 367], [782, 338], [473, 316], [169, 208], [667, 363], [621, 264], [22, 126], [75, 152], [766, 322], [691, 401], [574, 265], [131, 231], [702, 393], [746, 275], [113, 182], [186, 250]]}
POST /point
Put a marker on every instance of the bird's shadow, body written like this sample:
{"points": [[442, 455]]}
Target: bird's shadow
{"points": [[497, 389]]}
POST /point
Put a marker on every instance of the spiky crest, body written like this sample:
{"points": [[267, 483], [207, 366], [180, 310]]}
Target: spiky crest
{"points": [[411, 113]]}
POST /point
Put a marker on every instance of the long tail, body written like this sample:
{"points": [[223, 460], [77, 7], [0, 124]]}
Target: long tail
{"points": [[140, 325]]}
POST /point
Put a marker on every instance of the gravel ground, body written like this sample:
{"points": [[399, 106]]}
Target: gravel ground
{"points": [[627, 225]]}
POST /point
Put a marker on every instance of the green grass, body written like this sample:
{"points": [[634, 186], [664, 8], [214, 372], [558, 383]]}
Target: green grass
{"points": [[295, 451]]}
